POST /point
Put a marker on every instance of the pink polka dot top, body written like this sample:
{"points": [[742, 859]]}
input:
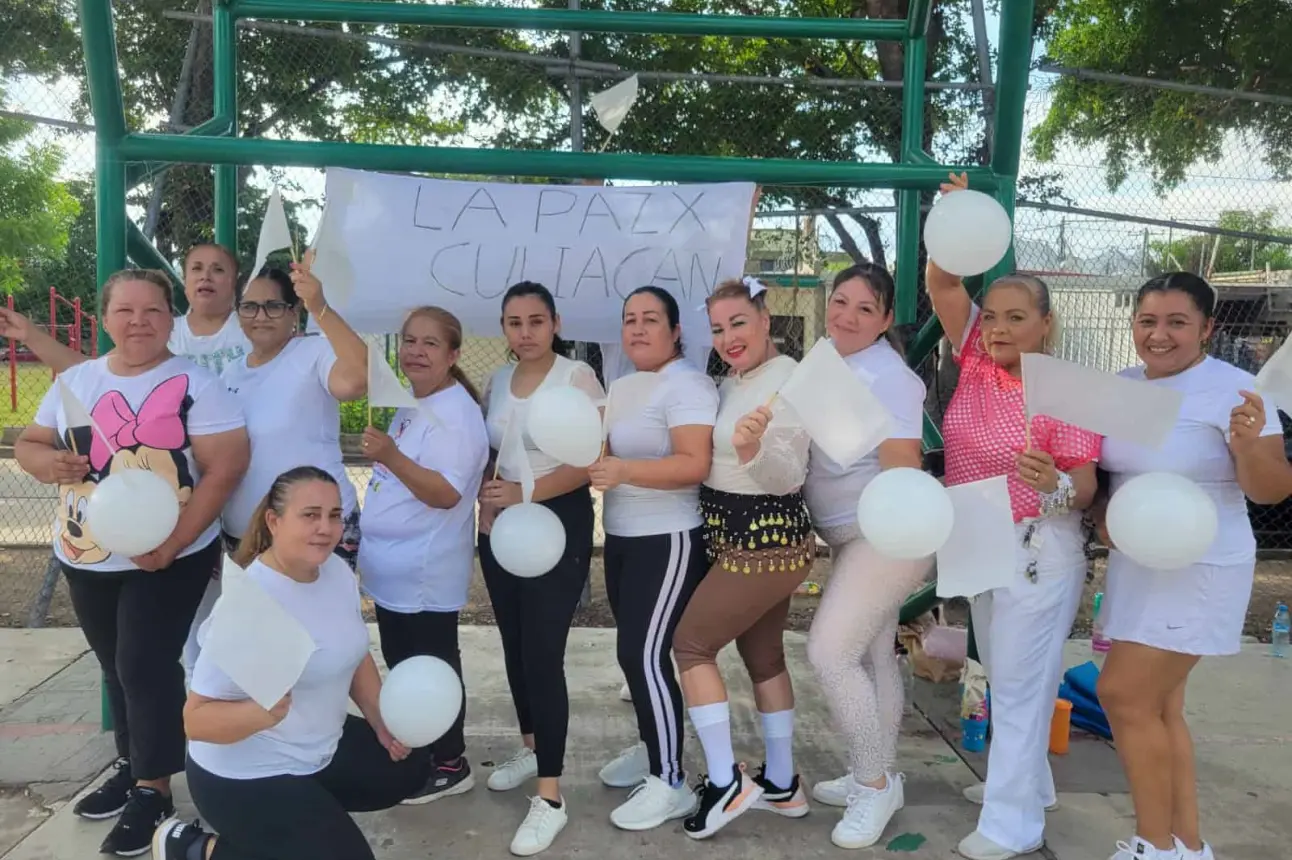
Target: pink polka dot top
{"points": [[983, 427]]}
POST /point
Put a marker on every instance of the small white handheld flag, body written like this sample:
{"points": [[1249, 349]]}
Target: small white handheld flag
{"points": [[1275, 377], [76, 415], [842, 415], [612, 105], [275, 233], [384, 387]]}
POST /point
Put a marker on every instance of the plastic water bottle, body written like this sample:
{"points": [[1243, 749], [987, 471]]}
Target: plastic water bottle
{"points": [[1279, 629], [1099, 643]]}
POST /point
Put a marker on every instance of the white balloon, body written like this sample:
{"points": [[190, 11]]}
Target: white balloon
{"points": [[565, 425], [420, 700], [967, 232], [1162, 520], [527, 540], [132, 512], [905, 513]]}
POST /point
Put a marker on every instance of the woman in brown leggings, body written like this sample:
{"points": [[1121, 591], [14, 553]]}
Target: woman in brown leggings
{"points": [[760, 549]]}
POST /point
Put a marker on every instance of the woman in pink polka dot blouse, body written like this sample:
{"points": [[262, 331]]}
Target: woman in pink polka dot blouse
{"points": [[1050, 468]]}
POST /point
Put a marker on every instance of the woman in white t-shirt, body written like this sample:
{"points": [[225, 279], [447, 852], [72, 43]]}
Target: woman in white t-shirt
{"points": [[761, 548], [659, 452], [208, 335], [534, 615], [152, 410], [1229, 443], [418, 522], [283, 782], [851, 643]]}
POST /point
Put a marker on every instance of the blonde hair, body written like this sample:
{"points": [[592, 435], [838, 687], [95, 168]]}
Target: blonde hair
{"points": [[151, 276], [736, 289], [453, 331], [1040, 292]]}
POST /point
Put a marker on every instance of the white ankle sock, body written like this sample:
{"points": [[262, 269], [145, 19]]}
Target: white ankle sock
{"points": [[713, 725], [778, 735]]}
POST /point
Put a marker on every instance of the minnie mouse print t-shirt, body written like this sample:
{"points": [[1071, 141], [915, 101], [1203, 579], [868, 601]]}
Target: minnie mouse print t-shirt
{"points": [[148, 421]]}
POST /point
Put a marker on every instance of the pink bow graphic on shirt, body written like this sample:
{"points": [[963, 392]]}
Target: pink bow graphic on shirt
{"points": [[157, 425]]}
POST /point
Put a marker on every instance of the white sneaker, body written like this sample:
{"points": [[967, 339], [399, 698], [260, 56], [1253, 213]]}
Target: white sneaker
{"points": [[628, 768], [869, 811], [541, 825], [1187, 854], [975, 793], [975, 846], [652, 803], [1138, 849], [514, 772], [834, 792], [625, 694]]}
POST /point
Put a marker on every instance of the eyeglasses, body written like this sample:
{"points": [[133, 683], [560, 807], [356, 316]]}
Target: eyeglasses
{"points": [[273, 310]]}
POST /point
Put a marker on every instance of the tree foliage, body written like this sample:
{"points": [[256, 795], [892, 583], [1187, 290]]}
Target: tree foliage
{"points": [[1209, 255], [36, 210], [1235, 45]]}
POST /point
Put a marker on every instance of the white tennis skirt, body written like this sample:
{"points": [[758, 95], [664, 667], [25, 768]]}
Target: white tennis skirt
{"points": [[1198, 610]]}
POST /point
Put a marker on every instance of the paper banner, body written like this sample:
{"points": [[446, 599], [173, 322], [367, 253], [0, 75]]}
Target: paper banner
{"points": [[981, 553], [1103, 403], [275, 233], [839, 411], [252, 639]]}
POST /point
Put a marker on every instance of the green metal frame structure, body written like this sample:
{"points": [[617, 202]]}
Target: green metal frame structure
{"points": [[125, 158]]}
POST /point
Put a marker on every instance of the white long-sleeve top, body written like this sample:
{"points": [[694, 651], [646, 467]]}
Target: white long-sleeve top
{"points": [[780, 466]]}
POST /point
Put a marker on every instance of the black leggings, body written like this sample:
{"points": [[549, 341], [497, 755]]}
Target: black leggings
{"points": [[649, 581], [306, 817], [409, 634], [137, 622], [533, 618]]}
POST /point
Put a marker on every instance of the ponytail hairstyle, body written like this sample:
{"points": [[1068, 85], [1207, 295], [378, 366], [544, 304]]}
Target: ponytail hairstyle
{"points": [[880, 282], [1040, 292], [258, 538], [451, 327], [533, 288], [671, 311]]}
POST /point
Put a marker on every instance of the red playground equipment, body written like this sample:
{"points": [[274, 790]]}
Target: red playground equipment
{"points": [[82, 331]]}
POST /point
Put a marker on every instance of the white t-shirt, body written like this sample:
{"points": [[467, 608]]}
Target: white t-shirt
{"points": [[292, 419], [216, 351], [415, 558], [685, 396], [1198, 449], [781, 463], [501, 404], [304, 742], [149, 420], [831, 491]]}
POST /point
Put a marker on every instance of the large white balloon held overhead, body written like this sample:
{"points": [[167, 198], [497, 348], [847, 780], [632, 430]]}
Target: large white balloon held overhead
{"points": [[967, 232]]}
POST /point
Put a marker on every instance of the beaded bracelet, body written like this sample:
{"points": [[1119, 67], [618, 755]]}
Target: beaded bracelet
{"points": [[1060, 501]]}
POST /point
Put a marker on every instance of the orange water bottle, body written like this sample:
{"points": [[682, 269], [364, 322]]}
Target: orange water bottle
{"points": [[1060, 727]]}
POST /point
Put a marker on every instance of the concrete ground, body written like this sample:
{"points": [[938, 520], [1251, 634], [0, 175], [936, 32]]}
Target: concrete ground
{"points": [[51, 750]]}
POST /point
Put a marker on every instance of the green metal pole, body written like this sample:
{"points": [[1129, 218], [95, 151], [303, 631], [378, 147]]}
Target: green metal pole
{"points": [[501, 162], [137, 173], [225, 59], [99, 42], [582, 20], [146, 256], [908, 199]]}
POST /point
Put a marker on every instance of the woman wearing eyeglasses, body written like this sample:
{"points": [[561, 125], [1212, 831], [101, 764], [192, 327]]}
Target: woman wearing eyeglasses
{"points": [[290, 389]]}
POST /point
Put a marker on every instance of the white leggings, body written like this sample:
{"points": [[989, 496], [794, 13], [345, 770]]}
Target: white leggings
{"points": [[851, 647]]}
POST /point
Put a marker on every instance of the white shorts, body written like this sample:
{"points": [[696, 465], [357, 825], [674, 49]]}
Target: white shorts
{"points": [[1199, 610]]}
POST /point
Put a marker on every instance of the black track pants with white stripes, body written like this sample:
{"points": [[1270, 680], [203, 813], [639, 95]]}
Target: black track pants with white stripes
{"points": [[649, 581]]}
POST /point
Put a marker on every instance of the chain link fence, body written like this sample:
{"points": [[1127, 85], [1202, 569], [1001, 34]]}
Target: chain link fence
{"points": [[1228, 218]]}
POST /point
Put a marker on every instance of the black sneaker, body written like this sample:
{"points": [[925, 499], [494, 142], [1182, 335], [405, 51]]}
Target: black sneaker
{"points": [[108, 799], [446, 780], [721, 805], [788, 802], [174, 839], [132, 835]]}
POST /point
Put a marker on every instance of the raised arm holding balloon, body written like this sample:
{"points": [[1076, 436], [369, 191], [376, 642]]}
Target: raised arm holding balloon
{"points": [[850, 645], [166, 448], [1050, 469], [760, 548], [1163, 615], [418, 552], [548, 551], [282, 782], [660, 435]]}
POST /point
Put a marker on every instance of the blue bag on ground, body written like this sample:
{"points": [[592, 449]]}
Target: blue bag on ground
{"points": [[1078, 687]]}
